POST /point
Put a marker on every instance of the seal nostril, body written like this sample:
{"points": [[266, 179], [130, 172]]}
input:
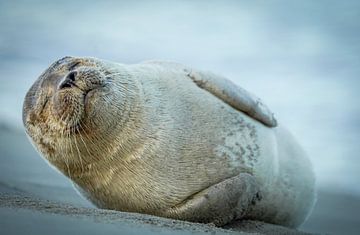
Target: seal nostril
{"points": [[65, 84], [71, 76], [68, 81]]}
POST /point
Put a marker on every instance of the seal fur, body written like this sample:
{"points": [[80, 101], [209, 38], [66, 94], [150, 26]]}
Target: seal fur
{"points": [[163, 139]]}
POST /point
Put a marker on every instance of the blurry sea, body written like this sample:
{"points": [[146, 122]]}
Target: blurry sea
{"points": [[301, 57]]}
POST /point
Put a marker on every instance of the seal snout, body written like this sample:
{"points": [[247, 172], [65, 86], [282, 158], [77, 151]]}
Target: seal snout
{"points": [[65, 94]]}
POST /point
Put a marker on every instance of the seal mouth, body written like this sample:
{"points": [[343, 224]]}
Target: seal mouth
{"points": [[84, 102], [88, 96]]}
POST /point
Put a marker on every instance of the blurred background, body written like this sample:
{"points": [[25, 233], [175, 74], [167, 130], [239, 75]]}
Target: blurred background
{"points": [[301, 57]]}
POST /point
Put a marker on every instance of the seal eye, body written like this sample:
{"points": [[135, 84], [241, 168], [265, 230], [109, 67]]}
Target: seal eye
{"points": [[69, 80]]}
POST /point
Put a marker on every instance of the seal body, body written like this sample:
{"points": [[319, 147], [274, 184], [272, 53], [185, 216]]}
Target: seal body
{"points": [[163, 139]]}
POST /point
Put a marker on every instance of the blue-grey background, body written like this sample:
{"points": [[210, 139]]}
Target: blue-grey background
{"points": [[301, 57]]}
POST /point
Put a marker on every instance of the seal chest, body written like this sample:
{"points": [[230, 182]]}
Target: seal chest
{"points": [[164, 139]]}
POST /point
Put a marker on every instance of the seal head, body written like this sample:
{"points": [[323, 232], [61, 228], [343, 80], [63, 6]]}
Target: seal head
{"points": [[66, 104]]}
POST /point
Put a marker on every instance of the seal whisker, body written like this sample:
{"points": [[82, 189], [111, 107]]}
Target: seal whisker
{"points": [[100, 147], [66, 158], [74, 131], [78, 151], [98, 141], [83, 127], [89, 139], [85, 145]]}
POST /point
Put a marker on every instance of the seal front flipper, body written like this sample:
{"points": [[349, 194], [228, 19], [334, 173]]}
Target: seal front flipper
{"points": [[225, 90], [221, 203], [234, 95]]}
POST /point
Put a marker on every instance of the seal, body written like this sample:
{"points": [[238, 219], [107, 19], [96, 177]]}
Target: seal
{"points": [[165, 139]]}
